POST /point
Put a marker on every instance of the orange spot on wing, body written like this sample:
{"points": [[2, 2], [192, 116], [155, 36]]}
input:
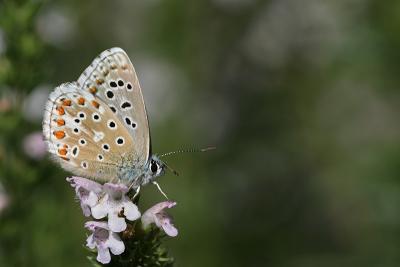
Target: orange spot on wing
{"points": [[62, 151], [81, 101], [59, 134], [60, 122], [99, 81], [66, 102], [95, 104], [65, 146], [93, 89], [60, 110]]}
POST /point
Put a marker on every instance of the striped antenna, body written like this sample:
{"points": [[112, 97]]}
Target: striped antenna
{"points": [[188, 151]]}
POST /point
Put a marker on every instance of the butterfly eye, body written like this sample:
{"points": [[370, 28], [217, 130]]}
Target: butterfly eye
{"points": [[154, 167]]}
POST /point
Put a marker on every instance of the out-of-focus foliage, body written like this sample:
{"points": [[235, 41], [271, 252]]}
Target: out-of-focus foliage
{"points": [[301, 99]]}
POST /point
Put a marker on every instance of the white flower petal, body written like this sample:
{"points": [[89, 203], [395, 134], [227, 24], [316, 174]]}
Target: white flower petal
{"points": [[160, 218], [87, 191], [169, 228], [116, 191], [85, 209], [147, 219], [115, 244], [104, 240], [93, 225], [157, 222], [116, 224], [100, 210], [92, 199], [103, 255], [131, 211], [87, 184], [90, 242]]}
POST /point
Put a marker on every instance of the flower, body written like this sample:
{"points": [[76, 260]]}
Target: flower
{"points": [[104, 240], [157, 215], [34, 146], [4, 199], [117, 206], [87, 191]]}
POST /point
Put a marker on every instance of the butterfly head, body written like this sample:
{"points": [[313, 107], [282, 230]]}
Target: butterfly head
{"points": [[153, 169]]}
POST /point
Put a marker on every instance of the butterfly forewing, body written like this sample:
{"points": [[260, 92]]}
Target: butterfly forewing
{"points": [[97, 127], [84, 134], [112, 78]]}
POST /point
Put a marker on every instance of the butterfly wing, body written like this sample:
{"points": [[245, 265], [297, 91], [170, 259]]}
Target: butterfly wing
{"points": [[112, 78], [84, 135]]}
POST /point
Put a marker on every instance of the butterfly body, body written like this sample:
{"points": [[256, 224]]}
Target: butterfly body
{"points": [[97, 127], [137, 176]]}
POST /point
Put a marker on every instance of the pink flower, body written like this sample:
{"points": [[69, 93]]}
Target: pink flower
{"points": [[105, 200], [117, 206], [87, 191], [34, 146], [157, 215], [104, 240], [4, 199]]}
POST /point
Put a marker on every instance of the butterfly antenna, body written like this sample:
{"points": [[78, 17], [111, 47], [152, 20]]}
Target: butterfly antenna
{"points": [[190, 150], [183, 151], [170, 169]]}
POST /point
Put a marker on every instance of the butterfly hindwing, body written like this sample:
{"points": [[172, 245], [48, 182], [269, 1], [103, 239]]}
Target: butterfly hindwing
{"points": [[84, 134], [112, 78]]}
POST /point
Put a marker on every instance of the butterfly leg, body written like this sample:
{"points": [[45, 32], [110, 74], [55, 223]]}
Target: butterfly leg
{"points": [[159, 189]]}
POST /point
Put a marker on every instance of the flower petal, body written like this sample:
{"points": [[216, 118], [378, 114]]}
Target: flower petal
{"points": [[115, 244], [116, 224], [90, 242], [165, 222], [131, 211], [92, 225], [149, 216], [147, 219], [87, 184], [103, 254], [101, 209], [92, 199], [170, 229], [116, 191], [160, 206], [85, 209]]}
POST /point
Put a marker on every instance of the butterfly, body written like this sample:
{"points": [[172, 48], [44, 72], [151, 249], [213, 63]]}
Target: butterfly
{"points": [[97, 126]]}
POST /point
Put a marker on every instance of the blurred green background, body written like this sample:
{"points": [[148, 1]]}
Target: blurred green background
{"points": [[301, 99]]}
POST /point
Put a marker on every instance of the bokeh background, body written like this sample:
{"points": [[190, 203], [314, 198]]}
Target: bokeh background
{"points": [[301, 99]]}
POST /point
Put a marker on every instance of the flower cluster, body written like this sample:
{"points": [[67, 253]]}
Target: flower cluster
{"points": [[111, 207]]}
